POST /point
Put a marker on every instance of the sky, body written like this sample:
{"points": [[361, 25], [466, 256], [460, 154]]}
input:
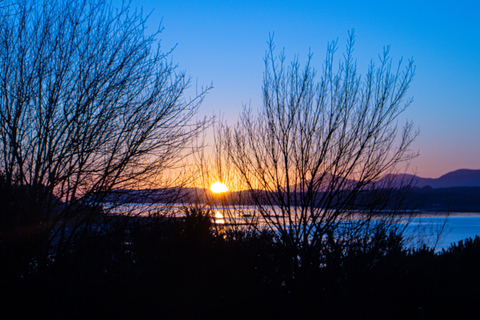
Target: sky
{"points": [[223, 43]]}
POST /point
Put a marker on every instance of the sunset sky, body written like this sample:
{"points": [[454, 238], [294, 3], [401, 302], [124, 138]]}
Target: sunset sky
{"points": [[224, 42]]}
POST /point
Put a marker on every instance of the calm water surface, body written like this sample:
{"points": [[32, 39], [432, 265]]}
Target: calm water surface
{"points": [[435, 230], [444, 230]]}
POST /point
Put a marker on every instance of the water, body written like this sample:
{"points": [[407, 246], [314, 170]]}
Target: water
{"points": [[438, 231], [441, 230], [434, 230]]}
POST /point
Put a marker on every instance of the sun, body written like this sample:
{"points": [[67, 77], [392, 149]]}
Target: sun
{"points": [[218, 187]]}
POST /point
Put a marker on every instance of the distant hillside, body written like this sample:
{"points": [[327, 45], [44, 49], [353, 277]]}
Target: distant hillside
{"points": [[457, 178], [455, 191], [458, 199], [454, 179]]}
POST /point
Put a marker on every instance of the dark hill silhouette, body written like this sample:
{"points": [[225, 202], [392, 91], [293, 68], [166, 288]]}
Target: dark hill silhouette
{"points": [[457, 178], [455, 191], [456, 199], [325, 181], [453, 179]]}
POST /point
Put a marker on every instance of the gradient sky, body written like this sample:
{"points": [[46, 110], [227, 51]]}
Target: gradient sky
{"points": [[224, 42]]}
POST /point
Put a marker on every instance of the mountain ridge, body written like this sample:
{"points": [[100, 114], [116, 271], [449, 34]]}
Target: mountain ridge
{"points": [[452, 179]]}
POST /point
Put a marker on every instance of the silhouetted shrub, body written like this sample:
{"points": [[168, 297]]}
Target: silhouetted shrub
{"points": [[180, 267]]}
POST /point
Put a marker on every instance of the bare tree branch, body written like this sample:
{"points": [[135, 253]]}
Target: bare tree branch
{"points": [[313, 151], [88, 103]]}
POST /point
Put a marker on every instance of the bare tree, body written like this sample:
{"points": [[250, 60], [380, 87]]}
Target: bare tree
{"points": [[88, 103], [312, 157]]}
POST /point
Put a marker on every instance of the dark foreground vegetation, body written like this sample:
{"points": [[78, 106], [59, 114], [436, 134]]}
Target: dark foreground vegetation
{"points": [[183, 268]]}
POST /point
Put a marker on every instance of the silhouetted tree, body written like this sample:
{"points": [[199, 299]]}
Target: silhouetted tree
{"points": [[313, 155], [88, 103]]}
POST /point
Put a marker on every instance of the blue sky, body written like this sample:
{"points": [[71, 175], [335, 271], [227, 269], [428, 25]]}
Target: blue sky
{"points": [[224, 42]]}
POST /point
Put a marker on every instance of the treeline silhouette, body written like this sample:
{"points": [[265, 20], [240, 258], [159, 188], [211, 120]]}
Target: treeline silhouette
{"points": [[139, 267]]}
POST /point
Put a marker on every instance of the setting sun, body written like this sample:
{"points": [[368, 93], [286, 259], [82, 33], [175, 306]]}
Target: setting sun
{"points": [[218, 187]]}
